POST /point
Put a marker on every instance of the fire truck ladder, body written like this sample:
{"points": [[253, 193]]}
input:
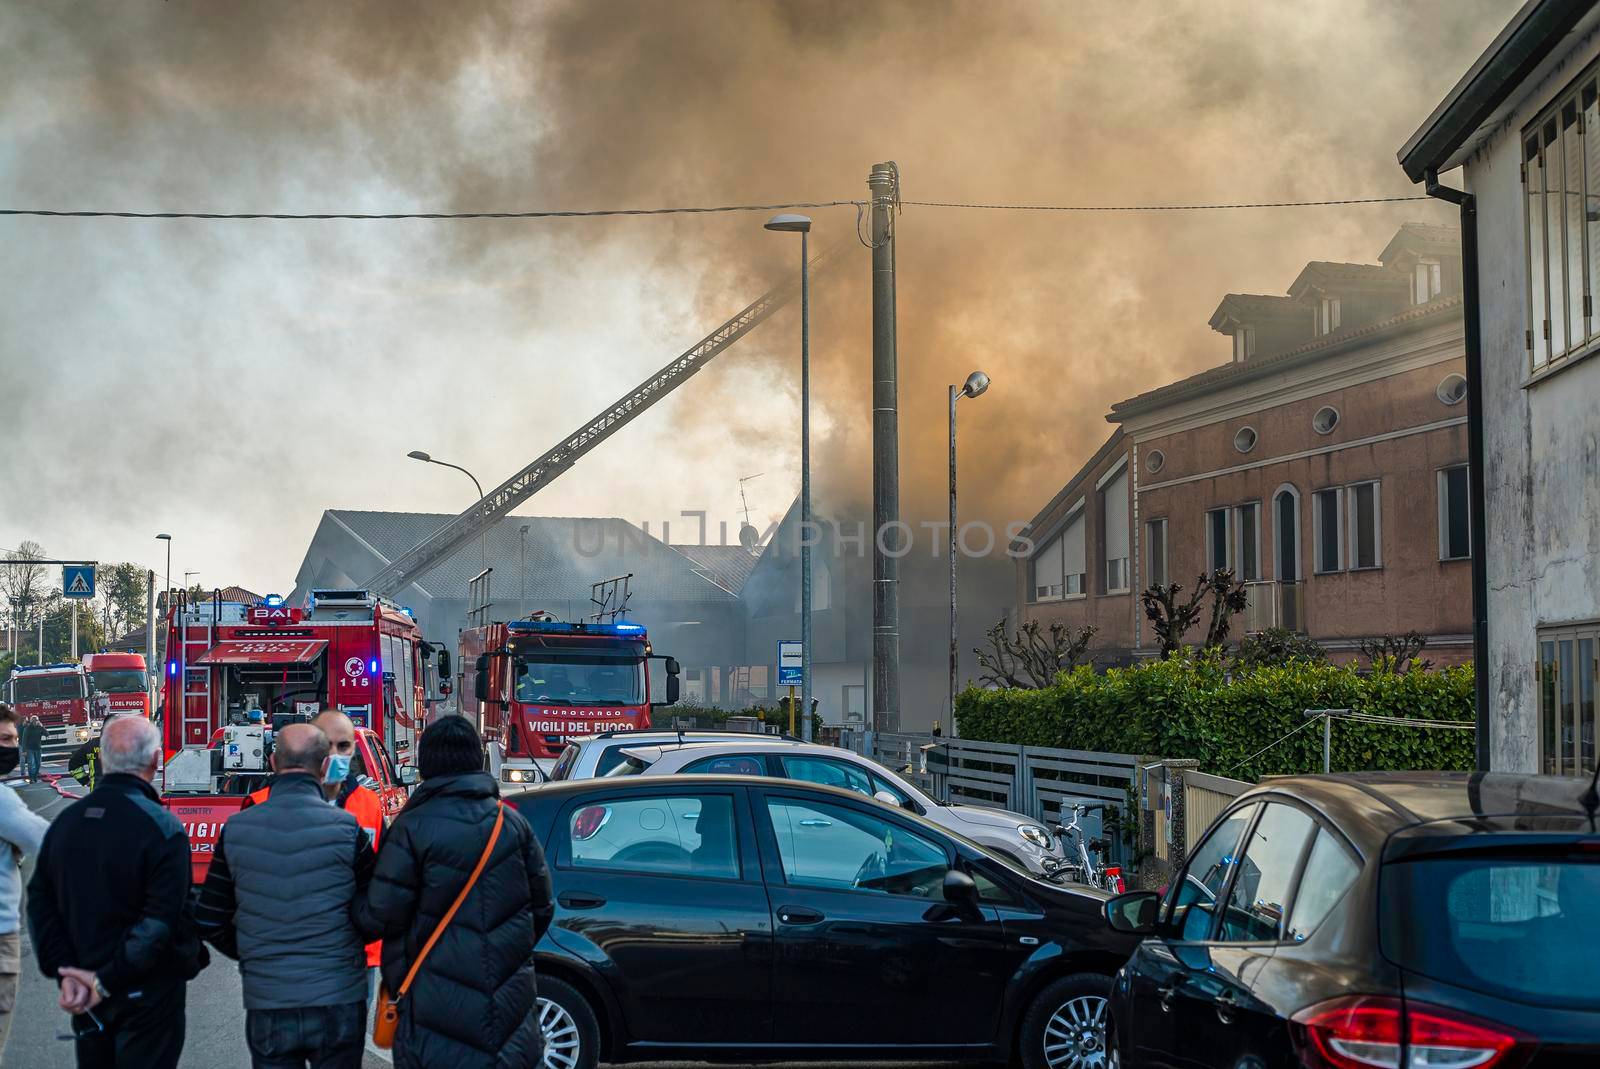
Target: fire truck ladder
{"points": [[196, 728], [450, 536]]}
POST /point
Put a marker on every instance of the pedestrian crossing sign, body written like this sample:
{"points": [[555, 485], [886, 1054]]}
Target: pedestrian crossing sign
{"points": [[77, 580]]}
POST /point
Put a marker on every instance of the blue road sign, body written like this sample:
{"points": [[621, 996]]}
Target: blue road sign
{"points": [[790, 663], [77, 580]]}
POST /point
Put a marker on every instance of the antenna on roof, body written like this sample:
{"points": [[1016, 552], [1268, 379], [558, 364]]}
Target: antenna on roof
{"points": [[749, 537]]}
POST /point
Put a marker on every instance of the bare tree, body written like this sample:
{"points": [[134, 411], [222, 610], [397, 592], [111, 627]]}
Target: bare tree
{"points": [[1032, 658], [22, 586], [1396, 653], [1171, 616]]}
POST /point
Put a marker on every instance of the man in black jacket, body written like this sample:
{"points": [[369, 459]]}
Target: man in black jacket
{"points": [[277, 898], [472, 1004], [108, 910]]}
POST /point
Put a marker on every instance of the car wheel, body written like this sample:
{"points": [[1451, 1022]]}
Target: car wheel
{"points": [[1065, 1028], [568, 1027]]}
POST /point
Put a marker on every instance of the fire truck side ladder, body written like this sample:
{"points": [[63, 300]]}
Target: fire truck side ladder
{"points": [[202, 691], [450, 536]]}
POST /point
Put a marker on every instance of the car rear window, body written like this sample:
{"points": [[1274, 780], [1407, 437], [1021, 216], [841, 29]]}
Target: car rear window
{"points": [[610, 758], [1519, 927], [564, 763]]}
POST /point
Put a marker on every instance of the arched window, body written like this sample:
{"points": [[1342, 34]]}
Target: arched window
{"points": [[1286, 534]]}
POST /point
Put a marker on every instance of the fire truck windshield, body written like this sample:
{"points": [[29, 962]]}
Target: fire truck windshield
{"points": [[42, 688], [118, 681], [591, 680]]}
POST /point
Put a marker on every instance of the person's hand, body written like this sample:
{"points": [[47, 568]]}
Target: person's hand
{"points": [[73, 998], [84, 979]]}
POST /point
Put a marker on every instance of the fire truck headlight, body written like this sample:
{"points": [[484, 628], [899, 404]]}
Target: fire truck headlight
{"points": [[513, 775]]}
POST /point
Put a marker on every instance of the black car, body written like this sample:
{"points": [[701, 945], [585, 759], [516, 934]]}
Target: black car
{"points": [[1427, 920], [725, 917]]}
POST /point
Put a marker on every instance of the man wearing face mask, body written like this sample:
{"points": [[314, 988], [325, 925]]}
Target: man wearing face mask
{"points": [[21, 832], [278, 899]]}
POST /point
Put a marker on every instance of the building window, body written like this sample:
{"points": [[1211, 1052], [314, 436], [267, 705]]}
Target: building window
{"points": [[1154, 461], [1155, 540], [1245, 440], [1114, 534], [1244, 344], [1326, 419], [1327, 514], [1286, 527], [1328, 316], [1247, 522], [1058, 567], [1427, 281], [1455, 524], [1561, 229], [1452, 390], [1567, 670], [855, 703], [1218, 544], [1366, 525]]}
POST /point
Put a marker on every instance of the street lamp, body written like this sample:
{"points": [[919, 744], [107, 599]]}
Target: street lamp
{"points": [[976, 383], [800, 224], [166, 576], [417, 454]]}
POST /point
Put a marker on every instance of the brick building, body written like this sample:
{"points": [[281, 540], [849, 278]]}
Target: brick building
{"points": [[1324, 464]]}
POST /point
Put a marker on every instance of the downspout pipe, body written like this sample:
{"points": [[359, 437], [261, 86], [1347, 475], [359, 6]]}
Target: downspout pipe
{"points": [[1477, 510]]}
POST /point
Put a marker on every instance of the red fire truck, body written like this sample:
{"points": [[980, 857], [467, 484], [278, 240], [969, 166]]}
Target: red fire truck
{"points": [[58, 695], [235, 673], [117, 684], [531, 683]]}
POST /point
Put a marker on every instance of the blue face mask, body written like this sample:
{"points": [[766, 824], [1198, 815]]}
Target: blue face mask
{"points": [[338, 768]]}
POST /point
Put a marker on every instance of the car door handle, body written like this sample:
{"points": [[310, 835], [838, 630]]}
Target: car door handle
{"points": [[580, 900], [816, 822], [1168, 990], [798, 915], [1226, 1003]]}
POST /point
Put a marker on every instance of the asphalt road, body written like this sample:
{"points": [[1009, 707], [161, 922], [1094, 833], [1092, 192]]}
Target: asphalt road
{"points": [[215, 1037]]}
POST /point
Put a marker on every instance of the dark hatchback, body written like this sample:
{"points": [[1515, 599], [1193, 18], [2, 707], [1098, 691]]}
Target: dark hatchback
{"points": [[724, 917], [1423, 920]]}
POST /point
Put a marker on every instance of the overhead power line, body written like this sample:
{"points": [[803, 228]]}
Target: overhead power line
{"points": [[712, 210]]}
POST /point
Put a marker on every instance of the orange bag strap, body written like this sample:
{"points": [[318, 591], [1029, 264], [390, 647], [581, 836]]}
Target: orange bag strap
{"points": [[460, 898]]}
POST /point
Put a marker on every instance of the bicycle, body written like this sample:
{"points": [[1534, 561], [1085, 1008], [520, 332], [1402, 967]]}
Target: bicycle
{"points": [[1084, 870]]}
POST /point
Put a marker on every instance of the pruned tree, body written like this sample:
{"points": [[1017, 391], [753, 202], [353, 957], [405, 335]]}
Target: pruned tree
{"points": [[1172, 615], [1032, 657], [1277, 646], [1396, 653]]}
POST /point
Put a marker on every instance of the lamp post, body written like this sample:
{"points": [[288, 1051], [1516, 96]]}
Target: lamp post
{"points": [[417, 454], [976, 383], [166, 576], [522, 604], [800, 224]]}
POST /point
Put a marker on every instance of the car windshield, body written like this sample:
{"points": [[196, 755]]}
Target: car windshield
{"points": [[1519, 927], [118, 681], [43, 688], [588, 681]]}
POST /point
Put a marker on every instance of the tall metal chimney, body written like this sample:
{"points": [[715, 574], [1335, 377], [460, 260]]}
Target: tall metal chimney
{"points": [[884, 185]]}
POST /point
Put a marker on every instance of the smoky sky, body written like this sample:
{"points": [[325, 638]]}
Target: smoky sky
{"points": [[228, 381]]}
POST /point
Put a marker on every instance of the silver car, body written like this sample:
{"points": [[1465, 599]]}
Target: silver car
{"points": [[1018, 838]]}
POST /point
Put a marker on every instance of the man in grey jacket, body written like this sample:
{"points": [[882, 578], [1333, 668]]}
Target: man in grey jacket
{"points": [[21, 832], [278, 898]]}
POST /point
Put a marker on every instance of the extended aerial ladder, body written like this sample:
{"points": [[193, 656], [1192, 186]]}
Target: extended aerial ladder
{"points": [[450, 536]]}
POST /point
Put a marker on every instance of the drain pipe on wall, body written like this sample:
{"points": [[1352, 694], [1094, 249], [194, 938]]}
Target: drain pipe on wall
{"points": [[1476, 509]]}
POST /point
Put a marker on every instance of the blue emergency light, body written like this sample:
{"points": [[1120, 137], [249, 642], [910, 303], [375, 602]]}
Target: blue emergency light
{"points": [[561, 627], [172, 668], [272, 601], [373, 666]]}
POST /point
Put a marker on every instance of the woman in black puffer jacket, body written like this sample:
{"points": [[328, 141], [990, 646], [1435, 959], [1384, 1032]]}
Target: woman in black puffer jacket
{"points": [[472, 1003]]}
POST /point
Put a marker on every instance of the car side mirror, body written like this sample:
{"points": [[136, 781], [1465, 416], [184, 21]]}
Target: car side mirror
{"points": [[886, 798], [444, 663], [959, 889], [409, 776], [1134, 912]]}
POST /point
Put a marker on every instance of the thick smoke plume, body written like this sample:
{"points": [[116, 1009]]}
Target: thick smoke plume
{"points": [[377, 105]]}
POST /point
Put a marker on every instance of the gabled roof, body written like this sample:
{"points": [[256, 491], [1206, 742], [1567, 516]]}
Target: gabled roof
{"points": [[565, 555], [727, 566], [1422, 238], [1254, 309], [1462, 119], [1325, 275], [1075, 487], [1230, 374]]}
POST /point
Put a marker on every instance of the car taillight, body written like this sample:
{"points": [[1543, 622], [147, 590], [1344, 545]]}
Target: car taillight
{"points": [[1114, 878], [588, 820], [1373, 1032]]}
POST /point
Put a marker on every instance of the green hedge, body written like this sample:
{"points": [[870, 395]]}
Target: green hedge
{"points": [[1193, 707]]}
